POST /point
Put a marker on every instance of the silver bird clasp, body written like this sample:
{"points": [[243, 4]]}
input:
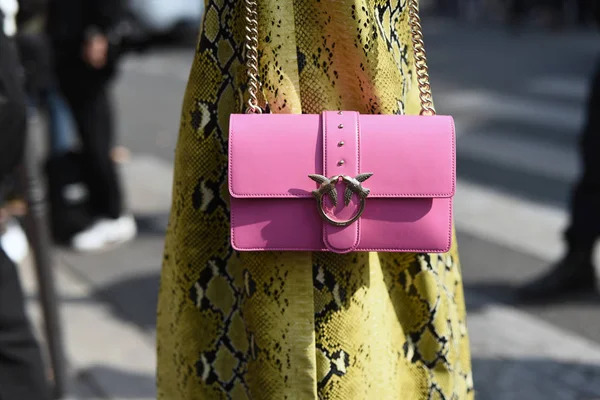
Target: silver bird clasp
{"points": [[354, 185], [328, 188]]}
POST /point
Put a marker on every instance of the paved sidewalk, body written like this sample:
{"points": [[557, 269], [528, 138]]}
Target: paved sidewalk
{"points": [[109, 358], [517, 357]]}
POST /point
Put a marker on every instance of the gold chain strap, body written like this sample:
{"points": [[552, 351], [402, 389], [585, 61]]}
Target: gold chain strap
{"points": [[252, 55], [420, 59], [418, 46]]}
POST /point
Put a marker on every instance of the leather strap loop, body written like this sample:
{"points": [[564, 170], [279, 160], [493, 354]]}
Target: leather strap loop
{"points": [[341, 156]]}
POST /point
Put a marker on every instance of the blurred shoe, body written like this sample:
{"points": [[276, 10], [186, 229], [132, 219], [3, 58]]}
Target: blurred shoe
{"points": [[573, 274], [14, 242], [105, 233], [121, 230]]}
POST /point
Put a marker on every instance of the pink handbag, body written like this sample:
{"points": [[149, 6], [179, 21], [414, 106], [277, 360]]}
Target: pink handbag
{"points": [[341, 181]]}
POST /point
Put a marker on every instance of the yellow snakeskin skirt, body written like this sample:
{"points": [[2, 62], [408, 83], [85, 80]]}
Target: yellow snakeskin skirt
{"points": [[299, 325]]}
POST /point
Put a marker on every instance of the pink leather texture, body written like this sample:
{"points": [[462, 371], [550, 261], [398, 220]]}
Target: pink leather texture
{"points": [[408, 209]]}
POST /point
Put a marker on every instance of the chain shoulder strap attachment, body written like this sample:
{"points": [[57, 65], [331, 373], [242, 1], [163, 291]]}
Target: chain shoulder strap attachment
{"points": [[252, 56], [420, 59], [418, 45]]}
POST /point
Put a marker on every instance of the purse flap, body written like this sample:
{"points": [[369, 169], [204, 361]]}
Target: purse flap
{"points": [[271, 155]]}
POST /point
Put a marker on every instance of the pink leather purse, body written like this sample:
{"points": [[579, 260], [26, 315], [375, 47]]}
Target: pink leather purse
{"points": [[340, 181]]}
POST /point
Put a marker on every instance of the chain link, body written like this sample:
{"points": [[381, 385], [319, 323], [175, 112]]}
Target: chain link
{"points": [[252, 56], [418, 45], [420, 59]]}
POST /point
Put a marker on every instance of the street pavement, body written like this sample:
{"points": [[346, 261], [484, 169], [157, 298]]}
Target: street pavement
{"points": [[518, 102]]}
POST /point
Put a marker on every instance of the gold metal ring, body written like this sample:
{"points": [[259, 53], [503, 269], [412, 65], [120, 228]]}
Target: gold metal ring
{"points": [[327, 188], [361, 209]]}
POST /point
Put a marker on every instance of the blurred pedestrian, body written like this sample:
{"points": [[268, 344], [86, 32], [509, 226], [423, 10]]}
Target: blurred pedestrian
{"points": [[87, 42], [575, 272], [21, 367], [68, 216]]}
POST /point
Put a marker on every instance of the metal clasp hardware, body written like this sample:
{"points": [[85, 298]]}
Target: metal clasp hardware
{"points": [[328, 188]]}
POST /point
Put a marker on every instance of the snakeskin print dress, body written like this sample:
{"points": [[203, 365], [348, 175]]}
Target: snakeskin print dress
{"points": [[299, 325]]}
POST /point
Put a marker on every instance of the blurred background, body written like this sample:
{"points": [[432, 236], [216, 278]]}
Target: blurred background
{"points": [[516, 84]]}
